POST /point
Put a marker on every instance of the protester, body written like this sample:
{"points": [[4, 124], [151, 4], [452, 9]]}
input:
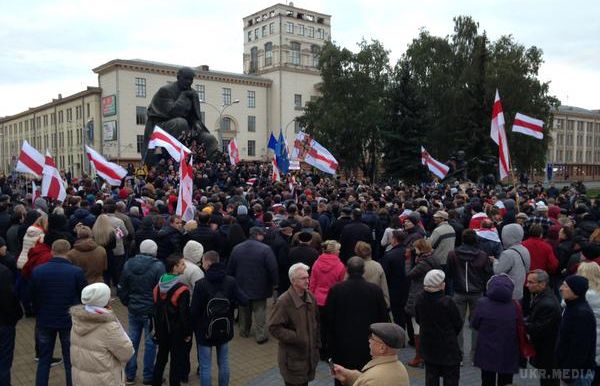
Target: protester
{"points": [[514, 261], [591, 271], [10, 313], [89, 256], [442, 238], [352, 233], [373, 270], [394, 266]]}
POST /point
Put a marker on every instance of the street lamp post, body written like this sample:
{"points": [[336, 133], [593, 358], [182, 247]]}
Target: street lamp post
{"points": [[220, 111]]}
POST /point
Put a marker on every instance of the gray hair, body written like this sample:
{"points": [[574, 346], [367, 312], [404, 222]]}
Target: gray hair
{"points": [[355, 266], [296, 267], [541, 275]]}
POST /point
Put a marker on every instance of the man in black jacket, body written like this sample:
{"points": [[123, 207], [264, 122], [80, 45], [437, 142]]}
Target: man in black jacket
{"points": [[335, 229], [351, 234], [169, 238], [10, 313], [394, 266], [542, 325], [204, 234]]}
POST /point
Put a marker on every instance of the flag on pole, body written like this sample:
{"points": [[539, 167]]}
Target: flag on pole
{"points": [[234, 154], [30, 160], [275, 175], [161, 138], [111, 172], [185, 206], [310, 151], [528, 126], [251, 181], [272, 143], [35, 193], [498, 135], [53, 185], [434, 166], [281, 153]]}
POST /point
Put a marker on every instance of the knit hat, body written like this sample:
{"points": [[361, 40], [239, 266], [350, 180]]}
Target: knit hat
{"points": [[193, 251], [434, 280], [242, 210], [97, 294], [540, 206], [40, 203], [148, 247], [578, 284]]}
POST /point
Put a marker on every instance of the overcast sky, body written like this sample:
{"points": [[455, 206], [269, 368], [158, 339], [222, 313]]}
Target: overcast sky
{"points": [[49, 47]]}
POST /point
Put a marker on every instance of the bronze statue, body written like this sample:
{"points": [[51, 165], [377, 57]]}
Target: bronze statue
{"points": [[175, 108]]}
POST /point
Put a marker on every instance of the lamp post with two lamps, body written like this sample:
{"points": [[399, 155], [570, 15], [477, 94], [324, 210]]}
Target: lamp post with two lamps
{"points": [[220, 111]]}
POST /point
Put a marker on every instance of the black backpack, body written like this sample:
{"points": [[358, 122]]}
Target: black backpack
{"points": [[218, 315], [165, 311]]}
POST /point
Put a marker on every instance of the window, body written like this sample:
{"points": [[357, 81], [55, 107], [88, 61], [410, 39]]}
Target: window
{"points": [[201, 92], [579, 140], [140, 115], [251, 99], [87, 107], [289, 27], [570, 125], [38, 120], [226, 124], [250, 36], [310, 32], [60, 118], [559, 139], [298, 101], [269, 54], [78, 112], [271, 28], [256, 34], [251, 123], [139, 143], [45, 120], [226, 96], [314, 50], [295, 53], [588, 141], [251, 148], [579, 125], [300, 29], [590, 126], [253, 60], [69, 115], [140, 87], [52, 119], [320, 33], [264, 31]]}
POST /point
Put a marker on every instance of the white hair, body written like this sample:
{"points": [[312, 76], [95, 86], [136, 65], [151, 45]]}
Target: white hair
{"points": [[295, 267]]}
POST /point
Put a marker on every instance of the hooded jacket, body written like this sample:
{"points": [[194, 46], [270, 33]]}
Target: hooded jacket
{"points": [[100, 348], [32, 235], [470, 268], [140, 275], [90, 257], [514, 261], [327, 271]]}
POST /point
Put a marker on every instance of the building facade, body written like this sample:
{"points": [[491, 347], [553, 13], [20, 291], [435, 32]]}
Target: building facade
{"points": [[63, 126], [575, 146]]}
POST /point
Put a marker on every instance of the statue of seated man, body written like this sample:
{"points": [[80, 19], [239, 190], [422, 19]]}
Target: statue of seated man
{"points": [[175, 108]]}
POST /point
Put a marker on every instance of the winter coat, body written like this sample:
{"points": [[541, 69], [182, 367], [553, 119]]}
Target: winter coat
{"points": [[327, 271], [294, 323], [90, 257], [351, 234], [253, 265], [470, 268], [541, 255], [169, 241], [100, 348], [280, 244], [394, 266], [192, 273], [542, 327], [380, 371], [490, 247], [140, 275], [440, 323], [121, 233], [12, 239], [495, 319], [10, 307], [352, 306], [514, 261], [38, 255], [55, 287], [442, 240], [32, 236], [423, 264], [593, 299], [576, 345], [303, 254], [209, 239], [83, 216], [374, 274], [146, 232], [335, 230]]}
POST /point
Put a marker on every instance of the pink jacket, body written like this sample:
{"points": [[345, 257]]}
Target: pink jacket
{"points": [[327, 270]]}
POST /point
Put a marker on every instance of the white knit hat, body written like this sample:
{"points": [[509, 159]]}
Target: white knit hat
{"points": [[434, 280], [148, 247], [193, 251], [97, 294]]}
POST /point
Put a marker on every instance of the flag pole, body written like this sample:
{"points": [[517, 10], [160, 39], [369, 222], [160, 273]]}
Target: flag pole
{"points": [[512, 172]]}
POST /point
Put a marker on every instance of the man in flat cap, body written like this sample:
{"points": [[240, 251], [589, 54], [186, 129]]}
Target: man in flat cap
{"points": [[384, 369]]}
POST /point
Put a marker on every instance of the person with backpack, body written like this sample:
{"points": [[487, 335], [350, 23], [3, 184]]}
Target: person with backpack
{"points": [[172, 327], [213, 301]]}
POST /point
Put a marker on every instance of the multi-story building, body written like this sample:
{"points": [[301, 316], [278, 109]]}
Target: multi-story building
{"points": [[575, 146], [280, 74], [62, 126]]}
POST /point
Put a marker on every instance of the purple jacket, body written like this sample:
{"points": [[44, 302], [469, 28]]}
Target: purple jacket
{"points": [[495, 318]]}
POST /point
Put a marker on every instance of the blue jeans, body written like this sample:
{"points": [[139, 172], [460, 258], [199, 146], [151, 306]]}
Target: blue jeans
{"points": [[7, 350], [46, 340], [137, 324], [205, 357]]}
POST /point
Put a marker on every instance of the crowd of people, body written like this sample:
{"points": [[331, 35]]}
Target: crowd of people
{"points": [[356, 270]]}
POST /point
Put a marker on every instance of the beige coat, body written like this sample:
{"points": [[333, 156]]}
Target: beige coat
{"points": [[380, 371], [100, 349], [294, 322], [375, 274]]}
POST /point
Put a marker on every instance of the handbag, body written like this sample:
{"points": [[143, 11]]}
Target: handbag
{"points": [[526, 349]]}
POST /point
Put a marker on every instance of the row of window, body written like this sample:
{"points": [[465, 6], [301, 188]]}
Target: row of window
{"points": [[568, 140], [302, 30], [590, 126], [568, 156], [288, 13], [45, 120], [294, 58]]}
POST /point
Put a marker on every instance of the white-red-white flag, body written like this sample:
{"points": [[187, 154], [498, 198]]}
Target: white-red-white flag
{"points": [[434, 166], [498, 134], [275, 174], [528, 126], [251, 181], [234, 153], [161, 138], [35, 193], [111, 172], [30, 160], [185, 206], [53, 186], [313, 153]]}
